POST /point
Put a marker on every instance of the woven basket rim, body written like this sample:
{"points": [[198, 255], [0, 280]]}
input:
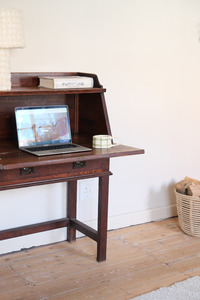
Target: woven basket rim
{"points": [[186, 196]]}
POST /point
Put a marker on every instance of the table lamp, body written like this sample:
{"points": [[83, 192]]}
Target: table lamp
{"points": [[11, 36]]}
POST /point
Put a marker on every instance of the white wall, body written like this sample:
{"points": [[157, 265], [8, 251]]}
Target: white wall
{"points": [[147, 54]]}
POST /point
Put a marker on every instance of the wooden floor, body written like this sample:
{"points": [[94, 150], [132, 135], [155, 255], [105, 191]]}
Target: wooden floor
{"points": [[139, 259]]}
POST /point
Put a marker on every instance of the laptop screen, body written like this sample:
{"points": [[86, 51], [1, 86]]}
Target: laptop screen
{"points": [[44, 125]]}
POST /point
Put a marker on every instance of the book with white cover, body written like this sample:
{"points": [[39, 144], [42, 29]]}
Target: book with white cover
{"points": [[66, 82]]}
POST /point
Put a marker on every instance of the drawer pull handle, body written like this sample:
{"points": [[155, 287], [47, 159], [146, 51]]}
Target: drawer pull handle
{"points": [[27, 171], [79, 164]]}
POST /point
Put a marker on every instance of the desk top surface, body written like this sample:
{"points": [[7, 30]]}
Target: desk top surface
{"points": [[12, 158]]}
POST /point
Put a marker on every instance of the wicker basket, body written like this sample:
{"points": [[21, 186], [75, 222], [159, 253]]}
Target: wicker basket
{"points": [[188, 208]]}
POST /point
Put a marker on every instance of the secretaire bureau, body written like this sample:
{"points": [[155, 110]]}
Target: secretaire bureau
{"points": [[88, 117]]}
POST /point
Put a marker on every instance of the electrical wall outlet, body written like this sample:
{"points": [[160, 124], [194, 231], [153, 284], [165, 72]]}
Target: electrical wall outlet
{"points": [[87, 189]]}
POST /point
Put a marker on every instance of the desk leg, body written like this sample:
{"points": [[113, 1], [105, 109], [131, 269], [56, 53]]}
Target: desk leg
{"points": [[71, 208], [102, 218]]}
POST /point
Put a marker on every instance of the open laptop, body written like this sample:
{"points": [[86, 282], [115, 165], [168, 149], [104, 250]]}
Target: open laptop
{"points": [[45, 130]]}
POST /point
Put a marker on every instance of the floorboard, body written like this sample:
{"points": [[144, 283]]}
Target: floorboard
{"points": [[139, 259]]}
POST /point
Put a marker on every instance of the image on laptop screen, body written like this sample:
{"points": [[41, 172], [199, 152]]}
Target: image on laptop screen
{"points": [[43, 125]]}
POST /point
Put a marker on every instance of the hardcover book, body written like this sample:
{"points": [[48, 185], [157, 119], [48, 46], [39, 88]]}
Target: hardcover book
{"points": [[66, 82]]}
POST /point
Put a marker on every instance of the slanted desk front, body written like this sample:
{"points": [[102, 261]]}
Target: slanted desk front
{"points": [[88, 117]]}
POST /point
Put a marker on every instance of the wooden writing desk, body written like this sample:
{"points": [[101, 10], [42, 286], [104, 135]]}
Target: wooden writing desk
{"points": [[88, 116]]}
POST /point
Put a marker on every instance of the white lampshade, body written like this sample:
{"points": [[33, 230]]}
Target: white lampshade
{"points": [[11, 36], [11, 28]]}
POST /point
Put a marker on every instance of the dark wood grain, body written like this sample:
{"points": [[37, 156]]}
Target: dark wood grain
{"points": [[93, 117], [29, 229], [71, 209], [85, 229], [46, 174], [102, 218]]}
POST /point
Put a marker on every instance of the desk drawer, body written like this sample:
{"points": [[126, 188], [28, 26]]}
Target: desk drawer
{"points": [[52, 173]]}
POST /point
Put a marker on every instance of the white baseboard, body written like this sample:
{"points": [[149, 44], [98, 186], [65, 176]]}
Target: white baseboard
{"points": [[137, 217], [143, 216]]}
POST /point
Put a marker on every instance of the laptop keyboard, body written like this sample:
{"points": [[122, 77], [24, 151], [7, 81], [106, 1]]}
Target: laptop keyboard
{"points": [[51, 147]]}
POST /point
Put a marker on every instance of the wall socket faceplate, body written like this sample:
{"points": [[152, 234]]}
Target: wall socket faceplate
{"points": [[87, 189]]}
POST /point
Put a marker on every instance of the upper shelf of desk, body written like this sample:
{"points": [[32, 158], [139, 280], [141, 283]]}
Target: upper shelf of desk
{"points": [[17, 91], [27, 84]]}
